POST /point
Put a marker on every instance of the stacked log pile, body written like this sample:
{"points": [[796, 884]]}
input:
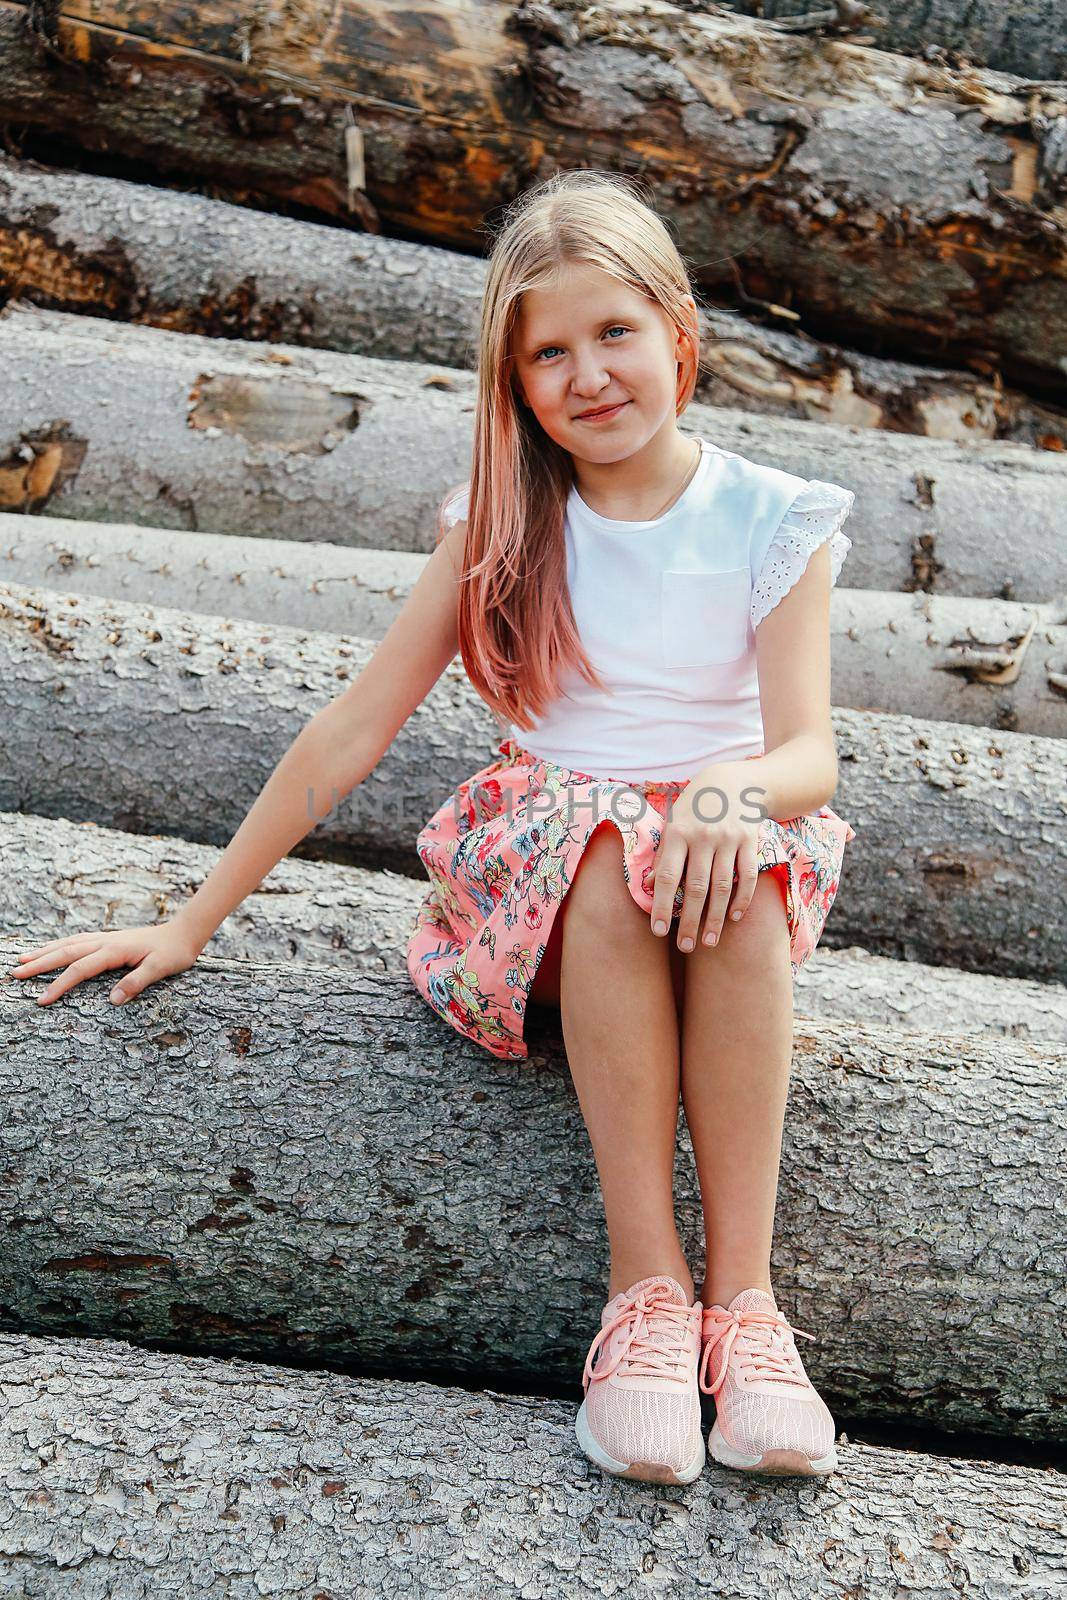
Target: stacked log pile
{"points": [[993, 663], [910, 199], [58, 876], [231, 407], [966, 883], [306, 1167], [105, 422], [74, 241]]}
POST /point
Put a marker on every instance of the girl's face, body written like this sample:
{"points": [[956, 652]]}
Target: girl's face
{"points": [[592, 343]]}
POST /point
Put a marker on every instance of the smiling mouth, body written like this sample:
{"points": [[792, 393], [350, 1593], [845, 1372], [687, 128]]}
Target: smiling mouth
{"points": [[604, 411]]}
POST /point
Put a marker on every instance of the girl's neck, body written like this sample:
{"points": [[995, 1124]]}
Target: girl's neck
{"points": [[645, 485]]}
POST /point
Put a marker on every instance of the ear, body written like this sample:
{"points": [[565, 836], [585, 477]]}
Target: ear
{"points": [[683, 333]]}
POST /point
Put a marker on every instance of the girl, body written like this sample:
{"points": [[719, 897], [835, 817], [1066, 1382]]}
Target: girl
{"points": [[597, 536], [648, 616]]}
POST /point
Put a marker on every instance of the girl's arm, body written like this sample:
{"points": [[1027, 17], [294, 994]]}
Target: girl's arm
{"points": [[798, 773], [341, 745], [335, 751]]}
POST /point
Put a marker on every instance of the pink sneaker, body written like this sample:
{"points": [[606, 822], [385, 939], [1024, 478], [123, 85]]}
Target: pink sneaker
{"points": [[641, 1414], [768, 1415]]}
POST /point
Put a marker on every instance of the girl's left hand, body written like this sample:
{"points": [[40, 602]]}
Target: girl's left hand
{"points": [[709, 852]]}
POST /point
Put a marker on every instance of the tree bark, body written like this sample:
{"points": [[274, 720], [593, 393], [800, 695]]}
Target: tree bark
{"points": [[177, 1475], [991, 663], [77, 242], [299, 1163], [1028, 39], [59, 878], [331, 588], [775, 373], [114, 423], [887, 200], [958, 828]]}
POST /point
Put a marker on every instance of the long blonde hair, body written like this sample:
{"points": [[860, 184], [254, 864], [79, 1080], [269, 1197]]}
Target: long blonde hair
{"points": [[516, 626]]}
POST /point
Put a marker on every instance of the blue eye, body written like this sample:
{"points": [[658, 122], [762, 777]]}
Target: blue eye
{"points": [[621, 326]]}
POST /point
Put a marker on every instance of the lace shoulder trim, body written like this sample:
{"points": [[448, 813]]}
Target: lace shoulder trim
{"points": [[815, 516], [456, 505]]}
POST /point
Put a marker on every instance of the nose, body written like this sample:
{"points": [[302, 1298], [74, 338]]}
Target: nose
{"points": [[590, 376]]}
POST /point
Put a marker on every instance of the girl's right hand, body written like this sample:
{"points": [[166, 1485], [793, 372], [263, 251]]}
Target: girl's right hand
{"points": [[153, 952]]}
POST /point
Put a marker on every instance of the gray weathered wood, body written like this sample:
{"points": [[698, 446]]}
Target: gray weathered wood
{"points": [[111, 422], [297, 1162], [994, 663], [902, 200], [76, 241], [1028, 38], [59, 877], [985, 662], [130, 1472], [959, 830], [332, 588]]}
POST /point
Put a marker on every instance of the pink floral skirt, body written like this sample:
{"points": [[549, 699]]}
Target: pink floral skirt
{"points": [[501, 853]]}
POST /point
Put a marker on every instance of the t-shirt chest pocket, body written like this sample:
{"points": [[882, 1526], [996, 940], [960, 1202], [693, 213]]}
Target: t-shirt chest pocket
{"points": [[704, 616]]}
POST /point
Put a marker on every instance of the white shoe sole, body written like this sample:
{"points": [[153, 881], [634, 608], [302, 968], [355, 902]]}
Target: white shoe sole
{"points": [[647, 1471], [781, 1463]]}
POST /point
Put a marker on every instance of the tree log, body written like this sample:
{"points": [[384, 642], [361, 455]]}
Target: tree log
{"points": [[958, 829], [330, 588], [309, 1164], [78, 242], [885, 198], [993, 663], [1028, 39], [59, 878], [176, 1475], [114, 423], [775, 373]]}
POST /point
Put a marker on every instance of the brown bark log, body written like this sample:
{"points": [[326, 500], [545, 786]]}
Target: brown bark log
{"points": [[958, 829], [299, 1163], [77, 242], [59, 877], [991, 663], [114, 423], [885, 198], [176, 1475], [780, 374]]}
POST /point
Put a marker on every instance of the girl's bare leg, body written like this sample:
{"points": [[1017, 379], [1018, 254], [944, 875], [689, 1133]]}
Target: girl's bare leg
{"points": [[737, 1045], [620, 1024]]}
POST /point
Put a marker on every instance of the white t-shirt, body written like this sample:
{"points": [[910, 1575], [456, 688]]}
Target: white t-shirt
{"points": [[667, 611]]}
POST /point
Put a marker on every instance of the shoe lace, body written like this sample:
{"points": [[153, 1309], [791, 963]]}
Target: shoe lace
{"points": [[764, 1341], [655, 1345]]}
